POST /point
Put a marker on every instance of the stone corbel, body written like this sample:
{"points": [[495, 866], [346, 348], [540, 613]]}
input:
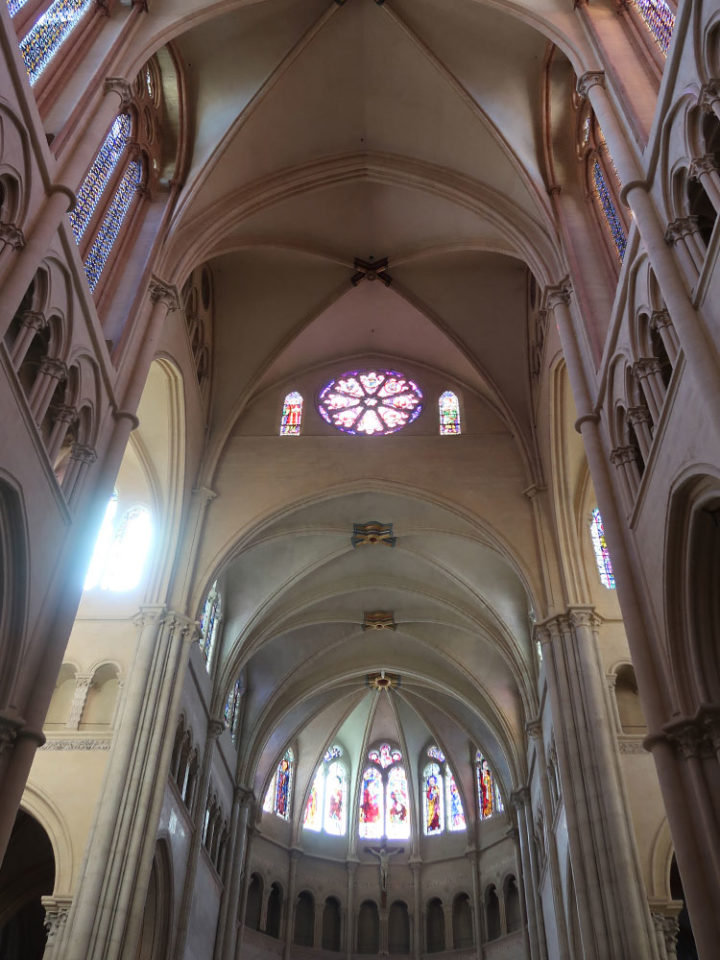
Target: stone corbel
{"points": [[56, 914], [82, 688]]}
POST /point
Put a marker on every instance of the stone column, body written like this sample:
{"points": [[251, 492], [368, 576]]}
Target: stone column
{"points": [[243, 804], [416, 869], [611, 680], [50, 373], [474, 858], [699, 348], [82, 688], [112, 888], [250, 834], [295, 855], [351, 912], [705, 170], [660, 320], [31, 322], [681, 234], [625, 460], [647, 371], [614, 919], [528, 880], [215, 728]]}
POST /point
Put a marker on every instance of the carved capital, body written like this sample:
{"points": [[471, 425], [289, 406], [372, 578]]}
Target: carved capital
{"points": [[660, 319], [646, 366], [244, 796], [150, 615], [584, 617], [122, 88], [204, 493], [622, 455], [593, 78], [11, 235], [64, 413], [166, 293], [52, 367], [558, 294], [709, 95], [215, 728], [534, 729], [702, 165], [56, 914], [33, 319], [520, 798], [83, 453], [691, 737], [639, 414], [680, 228]]}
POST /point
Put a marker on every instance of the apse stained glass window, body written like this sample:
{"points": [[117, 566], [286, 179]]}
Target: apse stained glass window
{"points": [[489, 797], [435, 753], [614, 223], [453, 804], [98, 176], [46, 37], [397, 818], [371, 818], [232, 707], [602, 554], [112, 222], [326, 807], [121, 549], [659, 19], [385, 755], [291, 419], [449, 412], [433, 800], [371, 402], [279, 793], [209, 623]]}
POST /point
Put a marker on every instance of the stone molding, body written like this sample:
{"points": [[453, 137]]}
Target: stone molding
{"points": [[631, 746], [122, 88], [709, 94], [56, 914], [77, 743], [590, 79], [165, 293]]}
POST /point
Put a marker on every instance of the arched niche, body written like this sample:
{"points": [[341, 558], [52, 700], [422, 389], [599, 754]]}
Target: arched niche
{"points": [[398, 928], [513, 916], [59, 710], [101, 700], [434, 926], [27, 874], [157, 916], [331, 925], [253, 905], [630, 711], [462, 923], [368, 928], [304, 930]]}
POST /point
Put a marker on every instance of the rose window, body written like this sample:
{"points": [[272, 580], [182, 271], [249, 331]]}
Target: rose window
{"points": [[372, 402]]}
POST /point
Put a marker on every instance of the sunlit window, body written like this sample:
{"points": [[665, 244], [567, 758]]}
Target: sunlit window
{"points": [[384, 802], [121, 549]]}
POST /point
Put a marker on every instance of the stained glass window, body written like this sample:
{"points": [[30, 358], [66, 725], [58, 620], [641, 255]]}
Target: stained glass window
{"points": [[209, 623], [613, 221], [232, 707], [291, 420], [332, 753], [149, 86], [335, 799], [270, 796], [455, 813], [279, 792], [371, 804], [97, 177], [449, 409], [659, 19], [433, 800], [49, 33], [435, 753], [371, 402], [397, 825], [312, 819], [15, 5], [121, 549], [112, 222], [385, 755], [489, 796], [602, 554]]}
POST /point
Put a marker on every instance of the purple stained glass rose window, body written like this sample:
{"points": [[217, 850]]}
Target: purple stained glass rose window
{"points": [[370, 402]]}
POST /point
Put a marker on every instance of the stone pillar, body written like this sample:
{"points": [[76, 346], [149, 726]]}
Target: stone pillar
{"points": [[611, 680], [625, 460], [31, 322], [250, 834], [528, 879], [614, 919], [351, 912], [295, 855], [660, 320], [50, 373], [648, 373], [416, 869], [215, 728], [112, 888], [474, 857], [639, 418], [243, 805], [82, 688], [681, 234], [56, 913]]}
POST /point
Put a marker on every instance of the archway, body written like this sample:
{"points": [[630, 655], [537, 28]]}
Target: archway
{"points": [[27, 874], [156, 925]]}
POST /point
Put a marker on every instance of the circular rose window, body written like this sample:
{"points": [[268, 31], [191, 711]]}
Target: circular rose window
{"points": [[371, 402]]}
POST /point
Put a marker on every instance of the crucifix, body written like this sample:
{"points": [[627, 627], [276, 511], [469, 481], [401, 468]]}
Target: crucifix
{"points": [[384, 855]]}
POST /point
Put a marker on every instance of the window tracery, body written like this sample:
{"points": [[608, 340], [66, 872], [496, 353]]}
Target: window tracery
{"points": [[326, 807], [384, 803], [490, 800], [602, 553], [370, 402], [603, 183], [279, 793], [98, 176]]}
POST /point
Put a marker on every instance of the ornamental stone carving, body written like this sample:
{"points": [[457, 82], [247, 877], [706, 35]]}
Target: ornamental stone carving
{"points": [[11, 235], [622, 455], [122, 88], [33, 319], [680, 228], [558, 294], [83, 453], [590, 79], [77, 743], [56, 914], [702, 165], [52, 367], [660, 319], [162, 292]]}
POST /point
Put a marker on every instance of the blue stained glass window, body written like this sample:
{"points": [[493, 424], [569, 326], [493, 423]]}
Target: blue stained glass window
{"points": [[659, 19], [97, 177], [613, 221], [15, 5], [49, 33], [110, 227], [602, 554], [232, 707]]}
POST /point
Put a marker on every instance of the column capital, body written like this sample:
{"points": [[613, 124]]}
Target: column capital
{"points": [[83, 453], [584, 617], [153, 613], [11, 235], [590, 79], [680, 228], [709, 94], [520, 798], [534, 729], [556, 294], [244, 796], [702, 165], [65, 413], [638, 414], [122, 88], [646, 366], [56, 914], [660, 319], [33, 319], [621, 455], [54, 368], [204, 493], [216, 728], [165, 293]]}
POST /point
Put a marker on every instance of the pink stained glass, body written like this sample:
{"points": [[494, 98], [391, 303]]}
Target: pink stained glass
{"points": [[371, 804], [385, 755], [397, 822], [370, 403], [291, 419], [454, 807], [486, 788]]}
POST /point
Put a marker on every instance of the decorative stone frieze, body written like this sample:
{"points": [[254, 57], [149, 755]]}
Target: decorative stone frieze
{"points": [[77, 743], [631, 746]]}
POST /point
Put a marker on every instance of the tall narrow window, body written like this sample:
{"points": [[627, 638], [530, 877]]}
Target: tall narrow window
{"points": [[121, 550], [110, 228], [453, 803], [291, 420], [384, 802], [49, 33], [602, 554], [659, 19], [232, 708], [98, 176], [442, 804], [210, 623], [489, 797], [279, 793], [605, 201], [449, 410], [326, 807], [433, 799]]}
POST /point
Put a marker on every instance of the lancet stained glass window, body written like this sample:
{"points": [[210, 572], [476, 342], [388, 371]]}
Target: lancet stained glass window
{"points": [[602, 554], [49, 33], [449, 411], [453, 804], [371, 804], [209, 623], [232, 707], [384, 804], [489, 797], [397, 819], [98, 176], [112, 222], [442, 804], [121, 549], [659, 19], [370, 402], [613, 221], [385, 755], [291, 420], [433, 799], [326, 807], [14, 6], [277, 798]]}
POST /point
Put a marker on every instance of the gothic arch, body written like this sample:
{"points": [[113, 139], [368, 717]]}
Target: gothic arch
{"points": [[156, 929], [14, 577], [37, 803]]}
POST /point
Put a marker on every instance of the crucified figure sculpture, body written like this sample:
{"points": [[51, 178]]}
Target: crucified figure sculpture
{"points": [[383, 855]]}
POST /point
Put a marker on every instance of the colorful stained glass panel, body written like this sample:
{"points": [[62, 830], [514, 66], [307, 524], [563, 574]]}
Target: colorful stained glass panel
{"points": [[370, 819], [283, 780], [455, 812], [659, 19], [291, 420], [46, 37], [371, 403], [335, 806], [112, 223], [313, 808], [613, 221], [486, 788], [602, 554], [449, 410], [15, 5], [433, 801], [397, 822], [385, 755], [97, 177]]}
